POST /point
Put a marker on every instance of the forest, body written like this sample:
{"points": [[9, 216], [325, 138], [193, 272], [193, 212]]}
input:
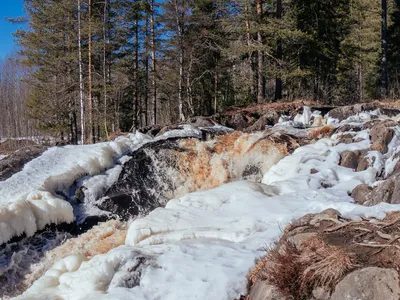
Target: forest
{"points": [[87, 68]]}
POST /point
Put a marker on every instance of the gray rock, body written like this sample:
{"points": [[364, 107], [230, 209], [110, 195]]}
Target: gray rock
{"points": [[320, 293], [265, 291], [360, 192], [382, 193], [368, 284]]}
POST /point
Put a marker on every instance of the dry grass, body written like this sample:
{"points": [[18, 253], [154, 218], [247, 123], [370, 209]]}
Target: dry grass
{"points": [[296, 273], [281, 268], [324, 265]]}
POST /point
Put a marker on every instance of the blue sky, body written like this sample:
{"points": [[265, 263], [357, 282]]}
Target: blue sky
{"points": [[11, 8]]}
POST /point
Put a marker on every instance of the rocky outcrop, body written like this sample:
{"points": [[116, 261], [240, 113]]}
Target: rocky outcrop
{"points": [[328, 257], [16, 161]]}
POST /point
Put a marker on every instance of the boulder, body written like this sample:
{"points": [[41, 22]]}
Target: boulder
{"points": [[238, 122], [264, 291], [270, 118], [381, 144], [349, 159], [370, 283], [360, 192], [382, 193]]}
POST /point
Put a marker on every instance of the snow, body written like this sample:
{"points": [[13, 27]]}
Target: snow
{"points": [[202, 245]]}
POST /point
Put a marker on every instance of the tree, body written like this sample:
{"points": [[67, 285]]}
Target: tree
{"points": [[384, 83]]}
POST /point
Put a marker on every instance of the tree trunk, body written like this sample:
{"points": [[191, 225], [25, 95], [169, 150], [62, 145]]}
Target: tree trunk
{"points": [[384, 76], [135, 71], [279, 54], [153, 62], [146, 94], [181, 61], [251, 61], [91, 133], [105, 43], [260, 85], [82, 111]]}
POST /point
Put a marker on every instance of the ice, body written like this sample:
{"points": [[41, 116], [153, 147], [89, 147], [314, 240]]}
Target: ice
{"points": [[29, 199]]}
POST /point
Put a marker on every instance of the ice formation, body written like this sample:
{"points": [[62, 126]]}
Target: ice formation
{"points": [[201, 245], [29, 200]]}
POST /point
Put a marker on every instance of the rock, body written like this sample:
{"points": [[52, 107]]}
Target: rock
{"points": [[270, 118], [303, 221], [378, 129], [363, 164], [331, 213], [169, 168], [381, 144], [343, 112], [264, 291], [299, 239], [370, 283], [360, 192], [382, 193], [238, 122], [396, 190], [320, 293], [349, 159]]}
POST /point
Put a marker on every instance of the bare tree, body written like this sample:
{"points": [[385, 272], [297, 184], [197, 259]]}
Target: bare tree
{"points": [[261, 89], [82, 109]]}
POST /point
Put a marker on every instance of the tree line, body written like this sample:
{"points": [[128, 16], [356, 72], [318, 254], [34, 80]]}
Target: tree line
{"points": [[96, 67]]}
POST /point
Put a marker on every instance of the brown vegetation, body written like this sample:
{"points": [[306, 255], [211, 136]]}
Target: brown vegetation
{"points": [[318, 251]]}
